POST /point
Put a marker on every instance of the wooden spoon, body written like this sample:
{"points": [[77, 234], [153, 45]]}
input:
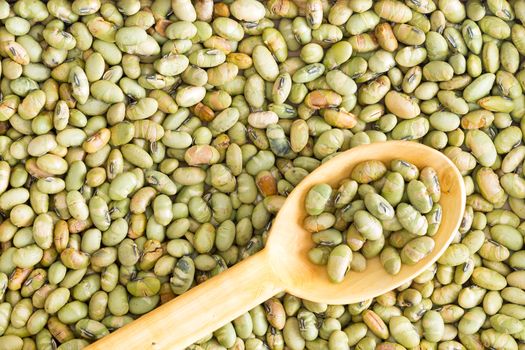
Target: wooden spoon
{"points": [[283, 264]]}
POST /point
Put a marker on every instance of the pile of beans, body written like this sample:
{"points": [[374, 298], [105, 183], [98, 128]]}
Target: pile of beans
{"points": [[374, 213], [146, 145]]}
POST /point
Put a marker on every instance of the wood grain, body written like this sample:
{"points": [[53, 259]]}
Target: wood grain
{"points": [[283, 264]]}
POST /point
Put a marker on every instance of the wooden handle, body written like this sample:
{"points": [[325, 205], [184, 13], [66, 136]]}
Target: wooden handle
{"points": [[200, 311]]}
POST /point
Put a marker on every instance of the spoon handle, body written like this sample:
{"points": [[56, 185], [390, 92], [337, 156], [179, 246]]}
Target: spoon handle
{"points": [[200, 311]]}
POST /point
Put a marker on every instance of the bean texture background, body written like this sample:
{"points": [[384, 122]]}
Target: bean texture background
{"points": [[146, 145]]}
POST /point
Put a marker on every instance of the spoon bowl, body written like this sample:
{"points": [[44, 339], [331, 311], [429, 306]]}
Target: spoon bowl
{"points": [[283, 264], [289, 242]]}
